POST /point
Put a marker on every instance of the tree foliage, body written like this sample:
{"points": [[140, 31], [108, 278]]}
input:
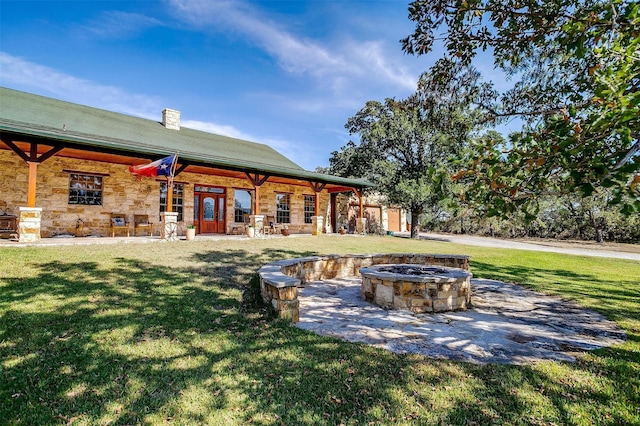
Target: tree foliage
{"points": [[406, 147], [566, 217], [578, 64]]}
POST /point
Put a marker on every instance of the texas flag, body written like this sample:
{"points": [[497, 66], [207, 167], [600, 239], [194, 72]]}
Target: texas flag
{"points": [[162, 167]]}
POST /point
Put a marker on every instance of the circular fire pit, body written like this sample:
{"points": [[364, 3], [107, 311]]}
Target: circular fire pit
{"points": [[417, 288]]}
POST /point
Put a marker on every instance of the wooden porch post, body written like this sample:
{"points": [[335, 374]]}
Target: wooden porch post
{"points": [[169, 195], [32, 160], [257, 180], [317, 188], [362, 222], [358, 192], [317, 221], [30, 216], [31, 187], [256, 202]]}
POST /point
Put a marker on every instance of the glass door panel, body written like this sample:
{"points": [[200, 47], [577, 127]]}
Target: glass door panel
{"points": [[209, 207], [208, 215], [196, 212]]}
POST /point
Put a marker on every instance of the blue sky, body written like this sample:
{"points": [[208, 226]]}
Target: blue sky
{"points": [[285, 73]]}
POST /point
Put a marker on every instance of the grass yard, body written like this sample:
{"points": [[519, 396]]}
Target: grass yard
{"points": [[172, 334]]}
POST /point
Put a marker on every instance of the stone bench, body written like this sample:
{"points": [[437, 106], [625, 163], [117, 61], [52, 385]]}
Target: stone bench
{"points": [[279, 281]]}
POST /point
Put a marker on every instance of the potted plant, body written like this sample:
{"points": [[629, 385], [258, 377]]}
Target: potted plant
{"points": [[285, 231], [342, 230], [191, 232]]}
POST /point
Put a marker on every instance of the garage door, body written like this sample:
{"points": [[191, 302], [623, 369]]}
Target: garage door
{"points": [[393, 219]]}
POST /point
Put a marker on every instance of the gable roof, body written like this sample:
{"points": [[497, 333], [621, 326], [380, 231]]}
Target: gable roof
{"points": [[92, 128]]}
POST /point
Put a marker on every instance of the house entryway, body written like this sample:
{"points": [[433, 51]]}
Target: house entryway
{"points": [[209, 209]]}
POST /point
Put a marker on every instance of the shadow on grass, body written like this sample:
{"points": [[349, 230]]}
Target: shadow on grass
{"points": [[135, 342], [615, 299]]}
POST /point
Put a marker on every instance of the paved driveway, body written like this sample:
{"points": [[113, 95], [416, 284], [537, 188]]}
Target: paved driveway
{"points": [[473, 240]]}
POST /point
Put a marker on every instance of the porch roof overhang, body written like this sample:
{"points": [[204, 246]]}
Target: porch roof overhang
{"points": [[131, 140]]}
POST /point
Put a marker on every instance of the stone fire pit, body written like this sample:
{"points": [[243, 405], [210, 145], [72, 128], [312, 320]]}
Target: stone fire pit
{"points": [[417, 288]]}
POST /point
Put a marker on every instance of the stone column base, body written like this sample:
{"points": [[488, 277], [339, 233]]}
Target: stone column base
{"points": [[257, 222], [169, 226], [29, 224], [361, 225], [316, 225]]}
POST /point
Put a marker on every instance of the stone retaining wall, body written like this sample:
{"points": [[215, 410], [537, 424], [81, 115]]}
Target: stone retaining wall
{"points": [[279, 281]]}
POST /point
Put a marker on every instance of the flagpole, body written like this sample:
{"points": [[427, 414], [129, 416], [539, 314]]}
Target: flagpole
{"points": [[170, 184]]}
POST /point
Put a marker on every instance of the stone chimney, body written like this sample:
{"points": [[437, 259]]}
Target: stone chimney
{"points": [[171, 119]]}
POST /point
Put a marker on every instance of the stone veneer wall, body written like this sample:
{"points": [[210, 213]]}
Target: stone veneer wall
{"points": [[279, 281], [123, 193], [450, 291]]}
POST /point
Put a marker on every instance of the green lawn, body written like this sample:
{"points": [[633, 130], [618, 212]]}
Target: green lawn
{"points": [[171, 334]]}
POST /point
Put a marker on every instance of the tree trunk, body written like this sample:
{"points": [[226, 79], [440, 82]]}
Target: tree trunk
{"points": [[598, 229], [599, 235], [415, 225]]}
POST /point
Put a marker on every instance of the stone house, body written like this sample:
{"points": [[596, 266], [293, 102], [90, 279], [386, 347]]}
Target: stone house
{"points": [[64, 169], [379, 216]]}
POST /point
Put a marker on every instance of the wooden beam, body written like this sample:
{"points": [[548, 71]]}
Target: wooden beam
{"points": [[33, 151], [82, 172], [180, 169], [53, 151], [15, 149], [257, 179], [317, 186]]}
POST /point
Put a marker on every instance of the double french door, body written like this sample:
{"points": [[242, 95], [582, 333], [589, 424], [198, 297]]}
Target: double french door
{"points": [[209, 209]]}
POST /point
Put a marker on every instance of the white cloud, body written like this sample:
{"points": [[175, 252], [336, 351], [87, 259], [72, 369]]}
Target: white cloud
{"points": [[293, 55], [286, 148], [218, 129], [35, 78], [339, 64], [119, 25], [371, 55]]}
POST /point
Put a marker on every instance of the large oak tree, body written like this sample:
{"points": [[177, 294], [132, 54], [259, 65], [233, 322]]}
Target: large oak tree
{"points": [[409, 147], [578, 70]]}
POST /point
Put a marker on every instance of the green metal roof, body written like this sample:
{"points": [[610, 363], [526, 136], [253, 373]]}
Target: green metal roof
{"points": [[38, 116]]}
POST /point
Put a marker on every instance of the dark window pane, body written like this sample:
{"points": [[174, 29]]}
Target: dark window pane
{"points": [[309, 207], [85, 189], [282, 208], [242, 205]]}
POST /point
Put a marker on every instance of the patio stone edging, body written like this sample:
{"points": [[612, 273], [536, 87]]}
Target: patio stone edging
{"points": [[279, 281]]}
